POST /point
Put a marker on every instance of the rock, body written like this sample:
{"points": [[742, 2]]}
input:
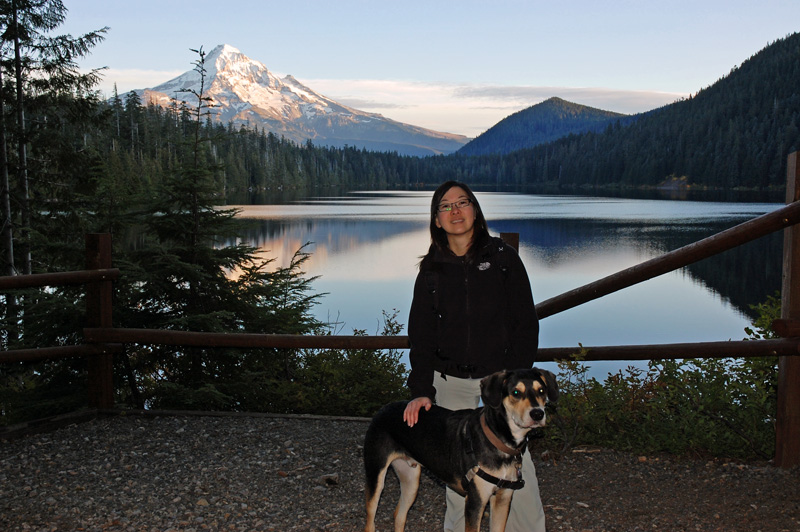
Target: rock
{"points": [[329, 480]]}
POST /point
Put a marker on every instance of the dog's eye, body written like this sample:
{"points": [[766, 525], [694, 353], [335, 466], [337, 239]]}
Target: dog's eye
{"points": [[515, 393]]}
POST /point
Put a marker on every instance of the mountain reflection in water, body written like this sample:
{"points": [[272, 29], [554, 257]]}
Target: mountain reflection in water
{"points": [[365, 247]]}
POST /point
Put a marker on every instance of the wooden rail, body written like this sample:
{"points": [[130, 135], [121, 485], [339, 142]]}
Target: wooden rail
{"points": [[745, 348], [702, 249], [103, 340], [16, 282], [58, 352], [243, 340]]}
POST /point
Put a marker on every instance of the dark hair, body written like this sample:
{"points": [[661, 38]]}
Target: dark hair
{"points": [[439, 243]]}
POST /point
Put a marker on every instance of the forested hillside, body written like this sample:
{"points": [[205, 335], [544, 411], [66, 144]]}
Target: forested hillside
{"points": [[734, 133], [544, 122], [138, 145]]}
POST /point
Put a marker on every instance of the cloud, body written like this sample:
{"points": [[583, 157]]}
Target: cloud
{"points": [[130, 79], [471, 109], [361, 103], [463, 108], [621, 101]]}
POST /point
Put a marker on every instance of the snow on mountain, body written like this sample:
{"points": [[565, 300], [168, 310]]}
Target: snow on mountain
{"points": [[244, 91]]}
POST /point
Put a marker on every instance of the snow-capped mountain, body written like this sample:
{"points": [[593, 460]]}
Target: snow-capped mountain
{"points": [[244, 91]]}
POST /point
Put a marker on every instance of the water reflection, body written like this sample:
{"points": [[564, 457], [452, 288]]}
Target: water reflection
{"points": [[365, 247]]}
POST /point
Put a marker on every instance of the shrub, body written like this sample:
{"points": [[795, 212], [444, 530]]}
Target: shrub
{"points": [[722, 407]]}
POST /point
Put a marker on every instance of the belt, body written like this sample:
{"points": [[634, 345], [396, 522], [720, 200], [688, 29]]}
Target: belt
{"points": [[462, 371], [467, 368]]}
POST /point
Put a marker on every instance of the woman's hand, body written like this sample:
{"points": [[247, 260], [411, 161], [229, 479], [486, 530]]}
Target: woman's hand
{"points": [[411, 413]]}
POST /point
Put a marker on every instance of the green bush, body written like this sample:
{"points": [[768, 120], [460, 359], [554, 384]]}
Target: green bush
{"points": [[353, 382], [336, 382], [722, 407]]}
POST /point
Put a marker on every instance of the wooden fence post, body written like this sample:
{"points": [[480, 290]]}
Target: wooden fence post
{"points": [[98, 314], [787, 427]]}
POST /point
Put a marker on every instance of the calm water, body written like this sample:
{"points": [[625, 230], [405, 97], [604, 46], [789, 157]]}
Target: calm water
{"points": [[365, 247]]}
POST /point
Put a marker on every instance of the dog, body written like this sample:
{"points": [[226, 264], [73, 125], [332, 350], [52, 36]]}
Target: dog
{"points": [[476, 452]]}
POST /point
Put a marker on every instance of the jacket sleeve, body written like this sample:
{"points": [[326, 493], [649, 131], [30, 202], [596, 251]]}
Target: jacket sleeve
{"points": [[524, 323], [422, 339]]}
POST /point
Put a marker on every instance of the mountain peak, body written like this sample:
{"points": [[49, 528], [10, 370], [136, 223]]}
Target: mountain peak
{"points": [[226, 56], [223, 49], [544, 122], [245, 92]]}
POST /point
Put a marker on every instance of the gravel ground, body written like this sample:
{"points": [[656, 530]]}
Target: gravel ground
{"points": [[164, 473]]}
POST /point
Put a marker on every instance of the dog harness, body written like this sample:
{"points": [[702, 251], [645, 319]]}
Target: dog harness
{"points": [[501, 483]]}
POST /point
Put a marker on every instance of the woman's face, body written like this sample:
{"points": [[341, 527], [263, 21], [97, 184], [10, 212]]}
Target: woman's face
{"points": [[456, 221]]}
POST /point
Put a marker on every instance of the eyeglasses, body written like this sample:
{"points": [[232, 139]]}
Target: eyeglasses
{"points": [[460, 204]]}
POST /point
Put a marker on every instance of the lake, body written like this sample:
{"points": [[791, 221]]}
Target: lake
{"points": [[365, 247]]}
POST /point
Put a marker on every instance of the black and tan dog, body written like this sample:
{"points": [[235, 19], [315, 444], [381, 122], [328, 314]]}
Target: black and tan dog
{"points": [[476, 452]]}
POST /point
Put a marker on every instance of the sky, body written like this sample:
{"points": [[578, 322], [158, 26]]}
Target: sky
{"points": [[456, 66]]}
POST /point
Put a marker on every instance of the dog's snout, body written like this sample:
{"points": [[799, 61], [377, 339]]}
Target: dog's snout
{"points": [[537, 414]]}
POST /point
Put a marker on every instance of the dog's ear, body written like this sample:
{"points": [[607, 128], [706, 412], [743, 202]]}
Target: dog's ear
{"points": [[552, 386], [492, 389]]}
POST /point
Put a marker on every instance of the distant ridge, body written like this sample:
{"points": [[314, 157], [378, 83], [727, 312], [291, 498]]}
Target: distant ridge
{"points": [[245, 92], [731, 136], [541, 123]]}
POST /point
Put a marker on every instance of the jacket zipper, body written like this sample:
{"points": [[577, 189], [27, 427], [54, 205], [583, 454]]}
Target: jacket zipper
{"points": [[468, 307]]}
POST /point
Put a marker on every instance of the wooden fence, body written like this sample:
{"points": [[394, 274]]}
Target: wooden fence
{"points": [[102, 340]]}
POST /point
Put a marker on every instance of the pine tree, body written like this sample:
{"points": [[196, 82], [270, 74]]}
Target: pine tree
{"points": [[46, 105], [188, 272], [45, 74]]}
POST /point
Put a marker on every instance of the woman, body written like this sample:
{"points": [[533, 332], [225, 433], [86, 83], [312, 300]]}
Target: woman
{"points": [[472, 314]]}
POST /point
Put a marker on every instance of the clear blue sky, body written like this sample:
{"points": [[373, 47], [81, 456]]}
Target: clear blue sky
{"points": [[450, 65]]}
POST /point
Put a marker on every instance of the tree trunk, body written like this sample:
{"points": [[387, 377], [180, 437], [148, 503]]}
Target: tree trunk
{"points": [[23, 151], [7, 235]]}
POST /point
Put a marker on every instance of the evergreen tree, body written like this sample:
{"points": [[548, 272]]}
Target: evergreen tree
{"points": [[47, 106], [189, 273], [42, 75]]}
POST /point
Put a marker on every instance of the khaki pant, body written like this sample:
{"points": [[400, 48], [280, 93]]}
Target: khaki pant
{"points": [[527, 514]]}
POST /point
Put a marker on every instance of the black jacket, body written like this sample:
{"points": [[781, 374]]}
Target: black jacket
{"points": [[471, 319]]}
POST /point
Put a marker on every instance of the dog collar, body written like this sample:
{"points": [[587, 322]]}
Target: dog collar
{"points": [[516, 453]]}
